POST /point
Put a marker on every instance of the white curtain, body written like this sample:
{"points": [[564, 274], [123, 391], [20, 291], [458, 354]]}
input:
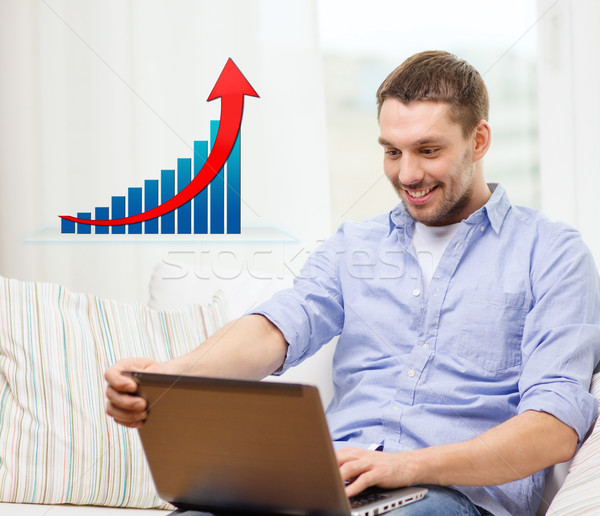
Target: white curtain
{"points": [[97, 96], [569, 85]]}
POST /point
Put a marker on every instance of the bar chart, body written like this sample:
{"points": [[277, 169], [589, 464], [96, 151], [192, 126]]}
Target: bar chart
{"points": [[216, 209]]}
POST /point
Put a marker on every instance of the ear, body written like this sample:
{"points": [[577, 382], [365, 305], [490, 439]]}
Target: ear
{"points": [[481, 139]]}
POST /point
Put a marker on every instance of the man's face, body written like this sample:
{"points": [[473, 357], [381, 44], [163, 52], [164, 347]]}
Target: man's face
{"points": [[429, 161]]}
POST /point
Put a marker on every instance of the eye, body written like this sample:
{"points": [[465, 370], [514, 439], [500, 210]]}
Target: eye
{"points": [[392, 153], [429, 151]]}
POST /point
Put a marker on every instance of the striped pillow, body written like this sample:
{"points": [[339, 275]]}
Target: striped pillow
{"points": [[57, 446], [580, 494]]}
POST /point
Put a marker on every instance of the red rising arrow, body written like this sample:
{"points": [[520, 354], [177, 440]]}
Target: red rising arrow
{"points": [[231, 86]]}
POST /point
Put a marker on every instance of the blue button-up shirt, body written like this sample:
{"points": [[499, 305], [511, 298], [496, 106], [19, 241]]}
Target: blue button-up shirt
{"points": [[510, 322]]}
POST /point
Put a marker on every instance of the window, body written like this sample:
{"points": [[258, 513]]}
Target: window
{"points": [[361, 46]]}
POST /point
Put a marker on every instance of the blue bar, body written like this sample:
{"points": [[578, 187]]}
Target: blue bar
{"points": [[102, 213], [118, 212], [84, 229], [184, 212], [167, 191], [234, 188], [151, 201], [201, 200], [217, 194], [134, 207], [67, 226]]}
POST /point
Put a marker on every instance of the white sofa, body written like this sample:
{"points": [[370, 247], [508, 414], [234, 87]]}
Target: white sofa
{"points": [[177, 284], [24, 509]]}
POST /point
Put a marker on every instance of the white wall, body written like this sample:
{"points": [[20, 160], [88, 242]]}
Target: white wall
{"points": [[97, 96], [569, 76], [361, 46]]}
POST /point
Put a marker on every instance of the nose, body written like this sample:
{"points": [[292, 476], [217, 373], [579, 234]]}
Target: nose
{"points": [[410, 171]]}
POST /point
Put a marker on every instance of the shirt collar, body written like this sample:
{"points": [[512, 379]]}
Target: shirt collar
{"points": [[497, 206], [495, 210]]}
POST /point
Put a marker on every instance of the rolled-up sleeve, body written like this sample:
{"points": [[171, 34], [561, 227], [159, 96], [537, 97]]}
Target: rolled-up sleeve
{"points": [[561, 340], [310, 313]]}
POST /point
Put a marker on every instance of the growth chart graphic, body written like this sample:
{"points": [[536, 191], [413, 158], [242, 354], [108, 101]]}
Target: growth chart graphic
{"points": [[179, 201]]}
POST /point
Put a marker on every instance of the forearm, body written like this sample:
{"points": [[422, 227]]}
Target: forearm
{"points": [[513, 450], [248, 348]]}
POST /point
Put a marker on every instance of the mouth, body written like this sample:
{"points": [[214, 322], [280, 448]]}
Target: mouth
{"points": [[420, 196]]}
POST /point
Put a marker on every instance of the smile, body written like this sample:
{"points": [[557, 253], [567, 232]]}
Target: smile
{"points": [[417, 194], [420, 197], [420, 193]]}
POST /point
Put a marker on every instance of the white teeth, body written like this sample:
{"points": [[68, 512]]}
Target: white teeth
{"points": [[420, 193]]}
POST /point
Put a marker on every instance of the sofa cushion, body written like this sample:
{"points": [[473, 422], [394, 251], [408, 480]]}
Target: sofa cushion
{"points": [[580, 493], [57, 446]]}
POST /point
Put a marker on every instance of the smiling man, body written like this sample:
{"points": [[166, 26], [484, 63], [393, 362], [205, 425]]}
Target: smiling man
{"points": [[468, 337], [435, 169]]}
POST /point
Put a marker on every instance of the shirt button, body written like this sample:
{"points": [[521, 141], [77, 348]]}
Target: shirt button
{"points": [[410, 373], [426, 345], [416, 292], [482, 228]]}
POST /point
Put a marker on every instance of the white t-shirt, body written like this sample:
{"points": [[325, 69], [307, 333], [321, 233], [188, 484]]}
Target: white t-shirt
{"points": [[430, 243]]}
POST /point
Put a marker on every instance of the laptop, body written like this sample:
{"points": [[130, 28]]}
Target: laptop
{"points": [[247, 447]]}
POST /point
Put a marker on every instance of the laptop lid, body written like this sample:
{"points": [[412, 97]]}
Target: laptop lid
{"points": [[241, 446]]}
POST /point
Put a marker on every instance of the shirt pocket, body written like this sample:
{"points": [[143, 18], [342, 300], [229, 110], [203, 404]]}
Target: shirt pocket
{"points": [[491, 335]]}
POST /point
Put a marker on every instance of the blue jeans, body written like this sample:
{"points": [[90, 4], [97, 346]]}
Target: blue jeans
{"points": [[441, 501]]}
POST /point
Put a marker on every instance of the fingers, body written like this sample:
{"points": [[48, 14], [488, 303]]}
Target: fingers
{"points": [[122, 383], [361, 483], [125, 408], [365, 468], [354, 469], [125, 402], [347, 454]]}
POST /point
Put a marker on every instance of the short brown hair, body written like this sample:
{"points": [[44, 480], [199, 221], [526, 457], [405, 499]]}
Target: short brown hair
{"points": [[439, 76]]}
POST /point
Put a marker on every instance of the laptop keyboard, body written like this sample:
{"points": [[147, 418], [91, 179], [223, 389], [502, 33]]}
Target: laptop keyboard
{"points": [[365, 498]]}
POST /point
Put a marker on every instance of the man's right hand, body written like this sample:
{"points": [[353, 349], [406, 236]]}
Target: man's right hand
{"points": [[121, 403]]}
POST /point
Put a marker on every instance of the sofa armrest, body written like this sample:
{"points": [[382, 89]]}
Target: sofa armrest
{"points": [[580, 493]]}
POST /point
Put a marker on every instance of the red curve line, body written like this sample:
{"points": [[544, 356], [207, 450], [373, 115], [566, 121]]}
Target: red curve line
{"points": [[231, 87]]}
